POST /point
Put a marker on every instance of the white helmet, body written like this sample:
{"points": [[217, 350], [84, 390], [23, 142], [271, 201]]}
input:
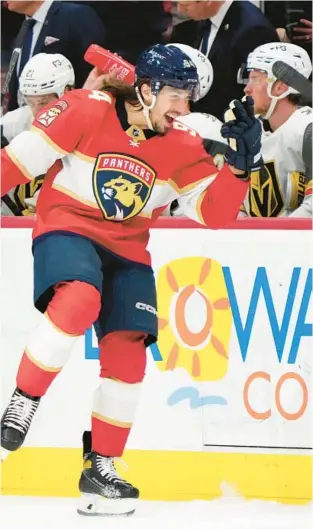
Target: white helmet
{"points": [[206, 125], [209, 128], [203, 65], [45, 74], [263, 58]]}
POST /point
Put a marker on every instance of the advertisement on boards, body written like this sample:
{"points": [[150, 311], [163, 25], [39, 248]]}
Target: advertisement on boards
{"points": [[231, 368], [236, 334]]}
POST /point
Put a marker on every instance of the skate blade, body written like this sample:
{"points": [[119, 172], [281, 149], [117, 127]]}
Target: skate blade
{"points": [[95, 505]]}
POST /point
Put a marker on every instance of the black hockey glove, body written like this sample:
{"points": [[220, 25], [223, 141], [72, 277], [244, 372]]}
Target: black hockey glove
{"points": [[243, 132]]}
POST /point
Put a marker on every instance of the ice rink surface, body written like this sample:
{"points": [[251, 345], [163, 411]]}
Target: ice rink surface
{"points": [[225, 513]]}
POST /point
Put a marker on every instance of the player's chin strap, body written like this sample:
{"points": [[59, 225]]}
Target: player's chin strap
{"points": [[274, 99], [146, 108]]}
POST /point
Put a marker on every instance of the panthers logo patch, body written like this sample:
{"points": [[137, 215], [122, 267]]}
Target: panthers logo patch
{"points": [[122, 185]]}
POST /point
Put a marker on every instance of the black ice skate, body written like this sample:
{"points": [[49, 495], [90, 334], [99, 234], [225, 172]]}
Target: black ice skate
{"points": [[17, 419], [87, 444], [104, 492]]}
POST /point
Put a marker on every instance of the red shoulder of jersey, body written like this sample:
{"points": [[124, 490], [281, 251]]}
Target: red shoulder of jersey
{"points": [[64, 121], [193, 164], [187, 146], [188, 142]]}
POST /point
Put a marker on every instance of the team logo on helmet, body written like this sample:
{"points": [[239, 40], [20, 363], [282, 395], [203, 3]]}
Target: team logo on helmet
{"points": [[122, 185]]}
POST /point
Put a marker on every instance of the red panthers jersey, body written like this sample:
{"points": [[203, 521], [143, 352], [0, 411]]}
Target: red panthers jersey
{"points": [[109, 181]]}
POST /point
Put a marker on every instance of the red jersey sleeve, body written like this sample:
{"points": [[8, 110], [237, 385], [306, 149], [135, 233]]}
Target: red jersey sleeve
{"points": [[214, 197], [55, 132], [207, 195]]}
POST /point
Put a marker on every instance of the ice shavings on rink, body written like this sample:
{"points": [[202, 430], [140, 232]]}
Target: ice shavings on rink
{"points": [[224, 513]]}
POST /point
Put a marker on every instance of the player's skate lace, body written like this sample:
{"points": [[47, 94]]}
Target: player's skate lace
{"points": [[20, 413], [106, 467]]}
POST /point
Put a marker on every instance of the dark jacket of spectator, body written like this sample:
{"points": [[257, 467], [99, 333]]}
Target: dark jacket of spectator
{"points": [[73, 27], [10, 24], [283, 13], [132, 26], [243, 29]]}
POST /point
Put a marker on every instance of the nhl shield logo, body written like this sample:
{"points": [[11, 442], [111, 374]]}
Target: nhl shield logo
{"points": [[122, 185]]}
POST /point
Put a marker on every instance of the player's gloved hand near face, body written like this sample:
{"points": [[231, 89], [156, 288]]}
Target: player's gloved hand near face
{"points": [[243, 132]]}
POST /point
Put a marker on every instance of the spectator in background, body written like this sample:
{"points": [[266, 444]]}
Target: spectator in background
{"points": [[56, 27], [304, 32], [149, 25], [132, 26], [293, 21], [177, 17], [225, 31], [10, 24]]}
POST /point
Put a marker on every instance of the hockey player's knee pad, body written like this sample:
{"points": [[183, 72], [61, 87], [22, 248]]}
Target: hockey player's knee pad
{"points": [[123, 356], [75, 307]]}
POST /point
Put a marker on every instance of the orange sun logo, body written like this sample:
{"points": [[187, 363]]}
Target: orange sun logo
{"points": [[194, 318]]}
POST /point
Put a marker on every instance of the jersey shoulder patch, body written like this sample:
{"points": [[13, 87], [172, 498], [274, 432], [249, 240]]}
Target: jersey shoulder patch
{"points": [[47, 116], [91, 104]]}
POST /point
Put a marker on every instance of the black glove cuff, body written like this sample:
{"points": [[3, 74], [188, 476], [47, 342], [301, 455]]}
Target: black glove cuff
{"points": [[245, 176]]}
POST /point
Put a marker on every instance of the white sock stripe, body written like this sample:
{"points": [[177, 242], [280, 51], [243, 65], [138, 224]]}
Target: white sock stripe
{"points": [[116, 400], [50, 346]]}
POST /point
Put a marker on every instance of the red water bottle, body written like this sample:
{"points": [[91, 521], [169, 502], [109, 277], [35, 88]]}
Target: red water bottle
{"points": [[107, 61]]}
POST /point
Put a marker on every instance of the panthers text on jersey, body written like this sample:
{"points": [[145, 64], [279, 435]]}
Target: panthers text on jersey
{"points": [[282, 185], [106, 184]]}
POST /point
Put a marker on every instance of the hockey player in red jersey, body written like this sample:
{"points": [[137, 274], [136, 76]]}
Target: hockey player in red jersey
{"points": [[115, 160]]}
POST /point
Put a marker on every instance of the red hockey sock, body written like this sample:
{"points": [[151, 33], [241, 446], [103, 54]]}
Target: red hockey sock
{"points": [[123, 363], [32, 378], [108, 439]]}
